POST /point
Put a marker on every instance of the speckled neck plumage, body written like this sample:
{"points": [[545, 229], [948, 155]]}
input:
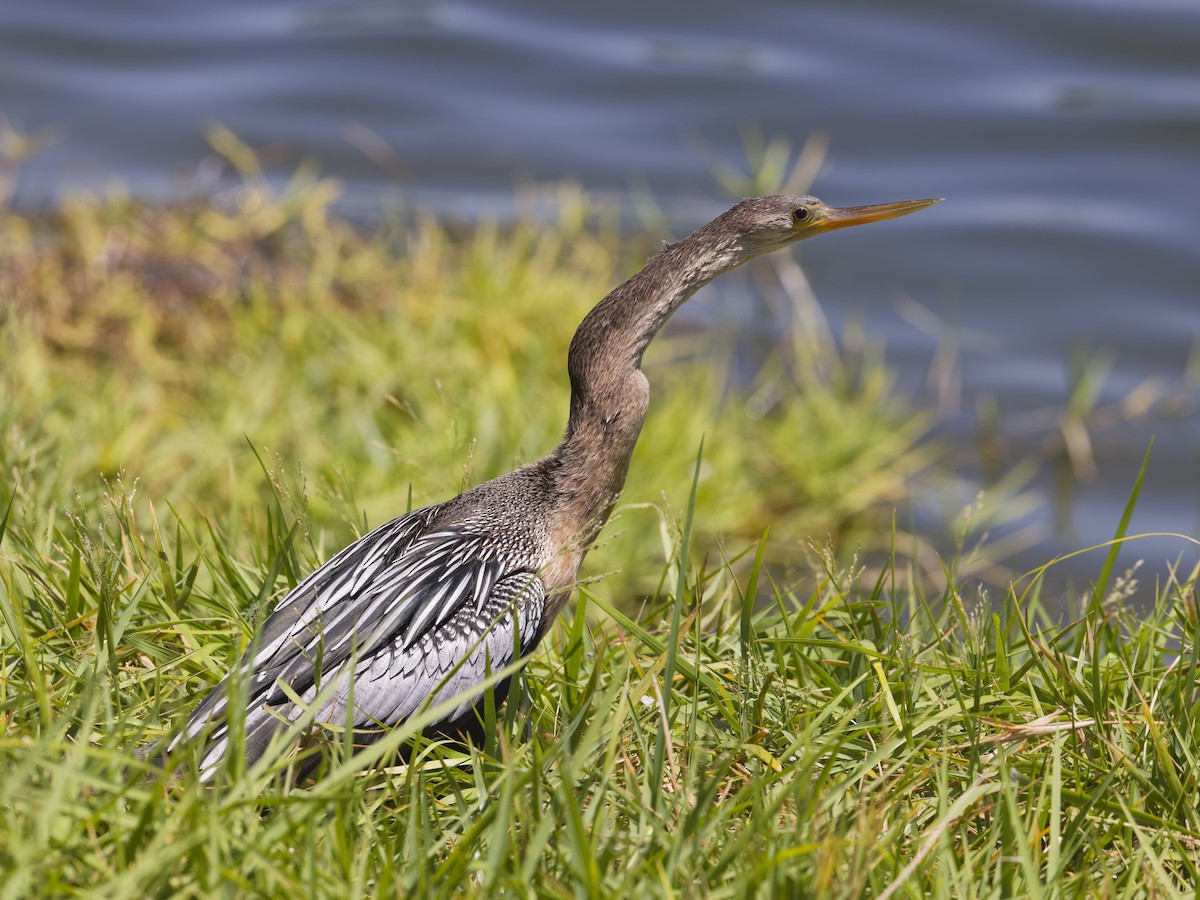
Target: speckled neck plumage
{"points": [[609, 393]]}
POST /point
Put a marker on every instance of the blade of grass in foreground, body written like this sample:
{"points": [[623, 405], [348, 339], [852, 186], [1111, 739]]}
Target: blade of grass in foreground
{"points": [[1110, 560], [1095, 607], [7, 512], [673, 638]]}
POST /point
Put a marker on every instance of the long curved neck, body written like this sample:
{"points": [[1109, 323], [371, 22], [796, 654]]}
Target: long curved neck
{"points": [[609, 393]]}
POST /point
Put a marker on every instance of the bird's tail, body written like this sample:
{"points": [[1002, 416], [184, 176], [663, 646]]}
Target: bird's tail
{"points": [[210, 725]]}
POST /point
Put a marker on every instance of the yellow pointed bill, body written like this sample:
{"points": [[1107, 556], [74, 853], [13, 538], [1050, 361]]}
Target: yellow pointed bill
{"points": [[832, 217]]}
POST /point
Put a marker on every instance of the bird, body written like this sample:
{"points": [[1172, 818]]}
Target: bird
{"points": [[418, 613]]}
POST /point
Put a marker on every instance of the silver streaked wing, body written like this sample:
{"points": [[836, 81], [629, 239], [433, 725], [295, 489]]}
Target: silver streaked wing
{"points": [[391, 685], [402, 592]]}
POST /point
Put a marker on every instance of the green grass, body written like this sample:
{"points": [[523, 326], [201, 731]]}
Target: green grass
{"points": [[200, 402], [404, 363]]}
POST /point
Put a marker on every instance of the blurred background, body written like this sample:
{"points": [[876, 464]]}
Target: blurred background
{"points": [[1048, 312]]}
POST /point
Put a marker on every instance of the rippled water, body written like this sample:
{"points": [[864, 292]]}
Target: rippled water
{"points": [[1064, 133]]}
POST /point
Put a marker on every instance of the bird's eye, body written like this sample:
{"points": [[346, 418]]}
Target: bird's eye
{"points": [[800, 213]]}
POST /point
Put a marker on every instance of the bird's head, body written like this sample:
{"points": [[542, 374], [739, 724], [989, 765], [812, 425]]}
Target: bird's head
{"points": [[762, 224]]}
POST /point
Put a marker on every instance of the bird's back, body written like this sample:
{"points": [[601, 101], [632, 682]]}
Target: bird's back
{"points": [[414, 613]]}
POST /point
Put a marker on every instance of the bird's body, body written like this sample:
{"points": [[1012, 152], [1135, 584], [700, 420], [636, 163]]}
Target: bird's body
{"points": [[415, 613]]}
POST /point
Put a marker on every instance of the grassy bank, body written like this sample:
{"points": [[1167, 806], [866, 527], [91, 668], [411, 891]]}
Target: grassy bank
{"points": [[371, 370], [202, 401]]}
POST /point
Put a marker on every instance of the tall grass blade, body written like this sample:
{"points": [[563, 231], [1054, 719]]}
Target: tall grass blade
{"points": [[1110, 560], [668, 678]]}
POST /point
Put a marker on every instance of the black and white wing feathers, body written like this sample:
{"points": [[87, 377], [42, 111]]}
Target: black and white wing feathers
{"points": [[418, 608]]}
